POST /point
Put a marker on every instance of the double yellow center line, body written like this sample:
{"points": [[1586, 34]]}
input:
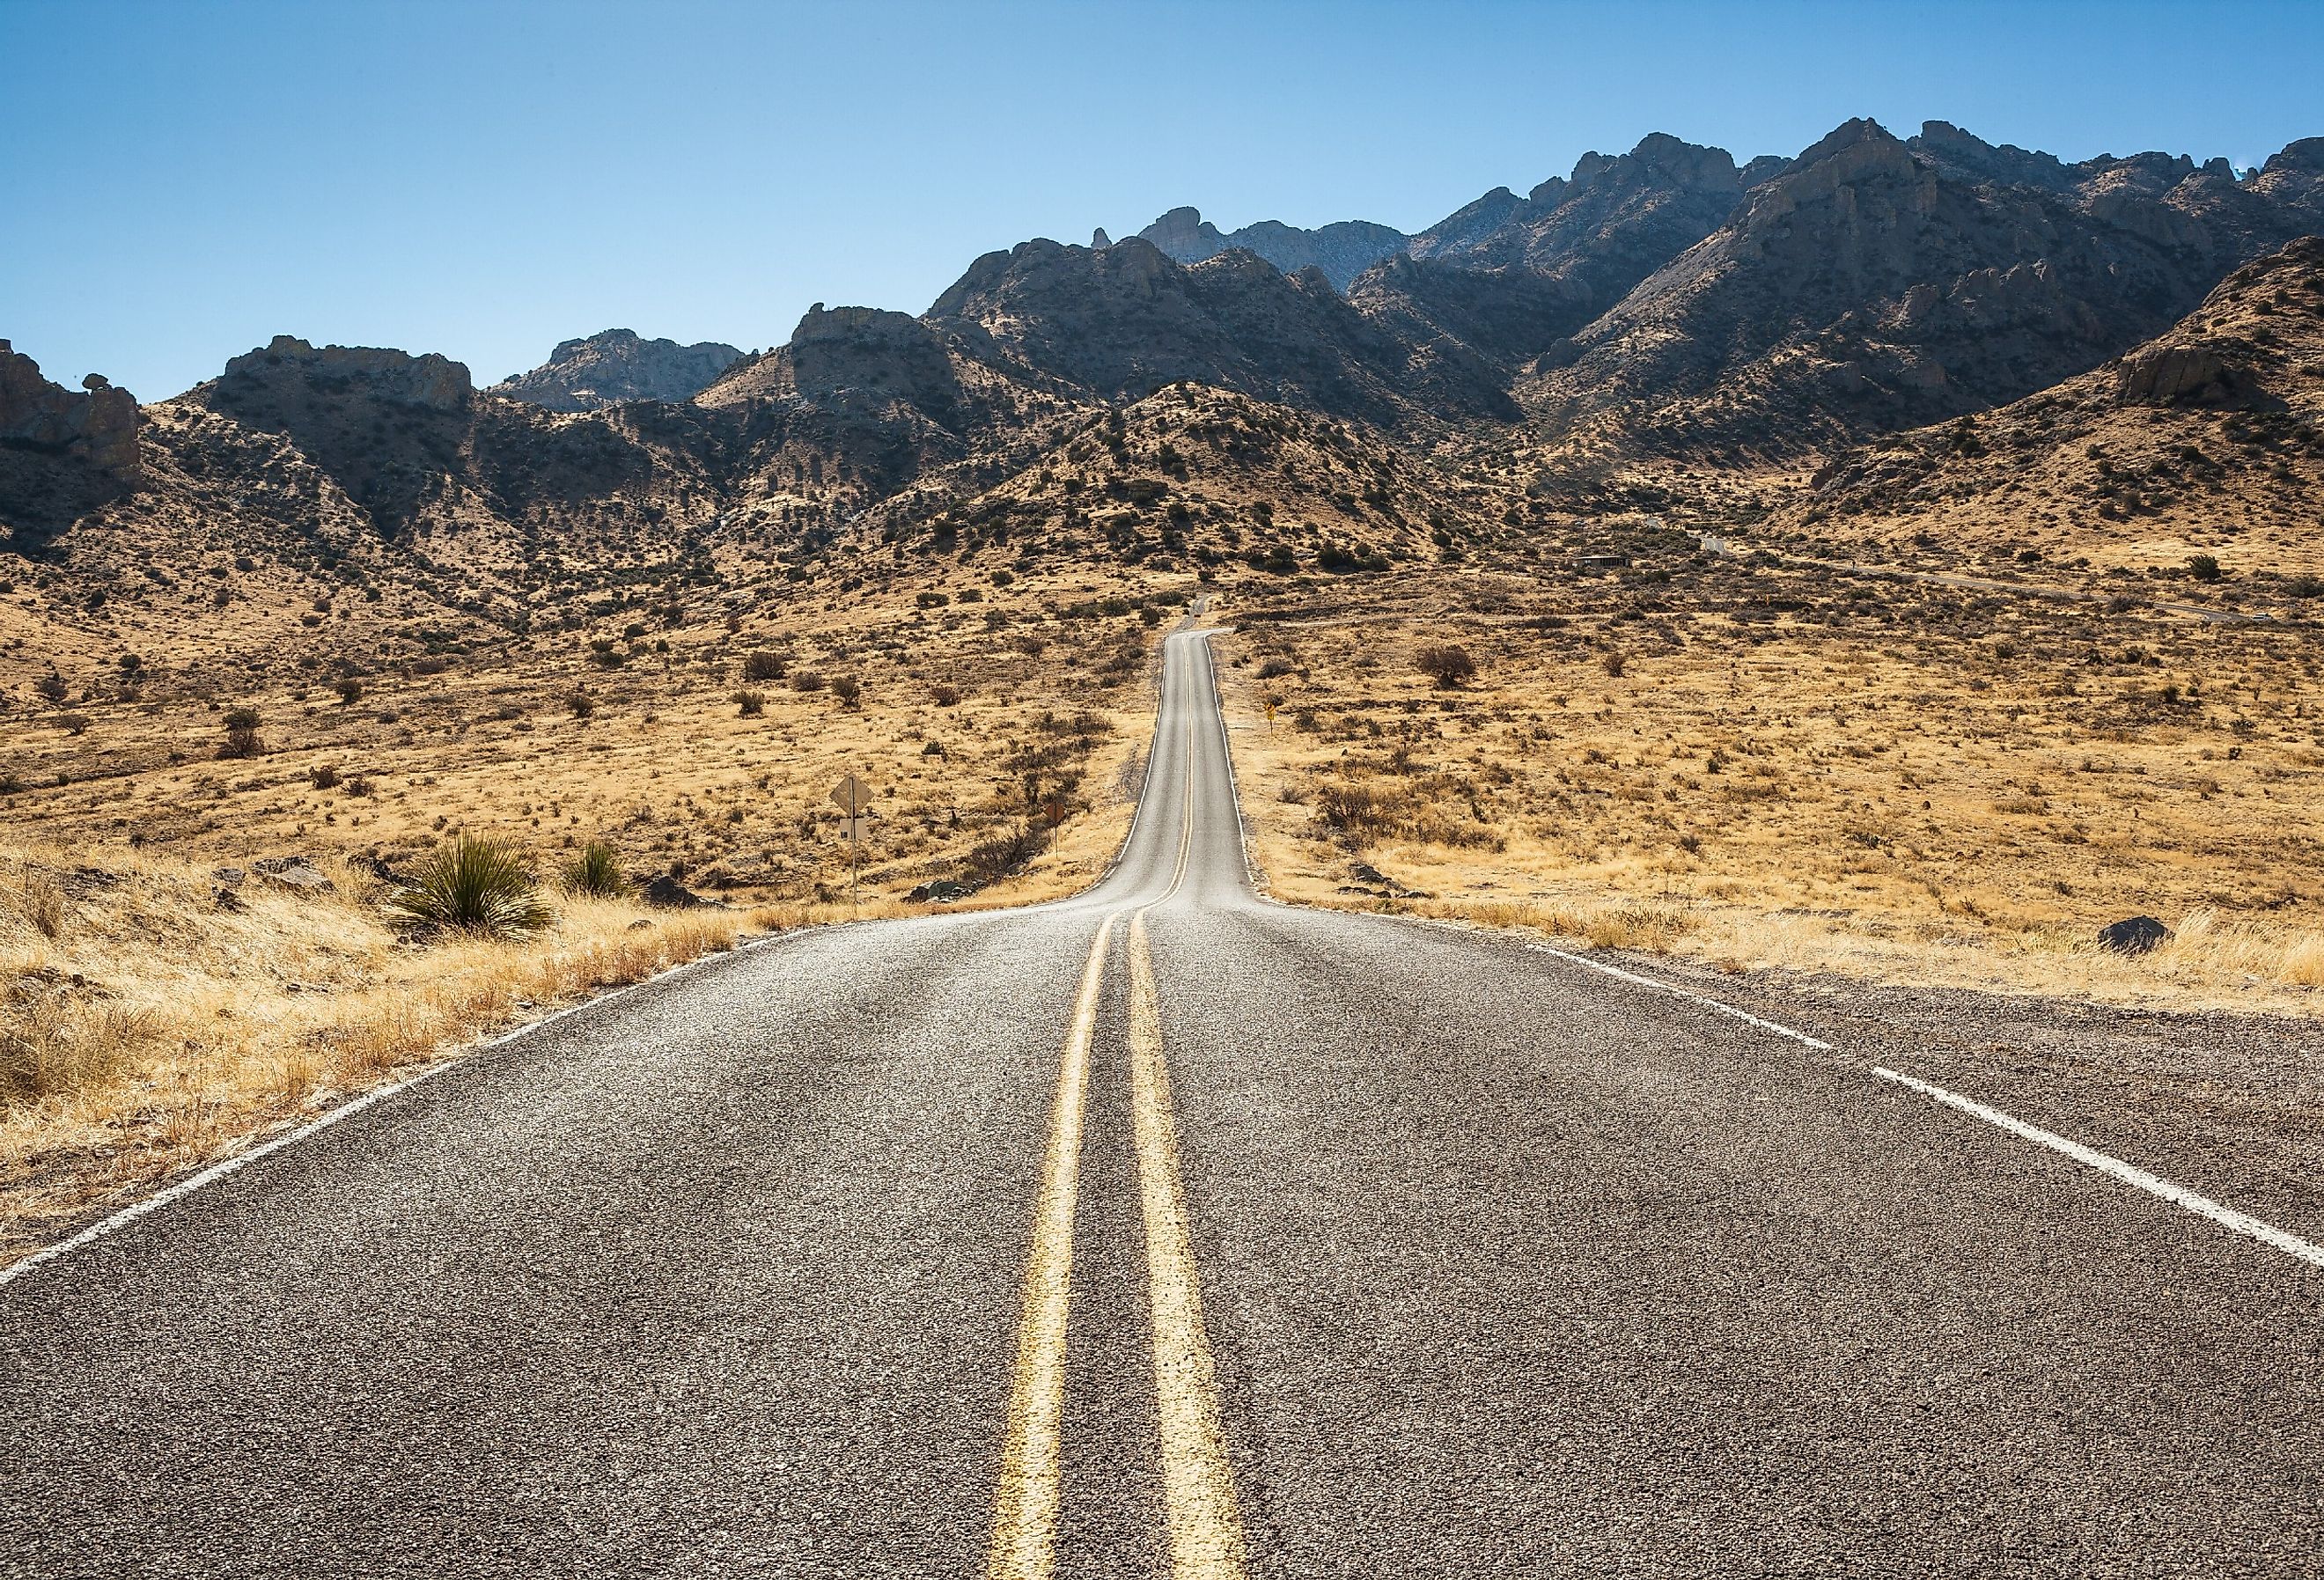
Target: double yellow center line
{"points": [[1205, 1525]]}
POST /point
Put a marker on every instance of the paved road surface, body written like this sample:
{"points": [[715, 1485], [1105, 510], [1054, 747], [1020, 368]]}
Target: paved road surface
{"points": [[1169, 1231]]}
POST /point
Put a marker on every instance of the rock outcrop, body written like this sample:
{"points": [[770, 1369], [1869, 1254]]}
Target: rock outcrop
{"points": [[96, 427], [617, 366], [437, 382]]}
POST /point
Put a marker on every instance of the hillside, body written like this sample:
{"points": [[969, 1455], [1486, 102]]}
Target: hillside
{"points": [[2207, 439]]}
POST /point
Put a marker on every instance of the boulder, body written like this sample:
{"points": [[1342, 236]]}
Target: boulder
{"points": [[2178, 375], [667, 893], [298, 873], [2136, 936]]}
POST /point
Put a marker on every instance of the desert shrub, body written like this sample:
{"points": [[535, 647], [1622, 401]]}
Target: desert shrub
{"points": [[582, 704], [2204, 568], [806, 680], [473, 885], [945, 696], [596, 871], [350, 691], [1450, 667], [242, 734], [848, 690], [1005, 852], [1357, 813], [52, 687], [750, 704], [73, 723], [1615, 663], [1275, 668], [759, 667], [932, 600], [323, 776]]}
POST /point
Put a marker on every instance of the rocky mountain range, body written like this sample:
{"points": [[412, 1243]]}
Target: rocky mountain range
{"points": [[1662, 308], [615, 366]]}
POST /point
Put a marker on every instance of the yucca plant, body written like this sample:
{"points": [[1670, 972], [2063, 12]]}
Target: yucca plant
{"points": [[596, 872], [473, 885]]}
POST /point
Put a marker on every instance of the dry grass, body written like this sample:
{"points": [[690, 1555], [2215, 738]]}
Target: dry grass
{"points": [[147, 1026], [1764, 766], [149, 1031]]}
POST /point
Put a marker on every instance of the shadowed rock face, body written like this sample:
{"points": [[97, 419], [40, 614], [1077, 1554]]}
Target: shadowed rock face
{"points": [[96, 427], [617, 366], [64, 453]]}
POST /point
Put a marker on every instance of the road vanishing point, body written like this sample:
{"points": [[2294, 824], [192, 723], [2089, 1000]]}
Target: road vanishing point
{"points": [[1169, 1231]]}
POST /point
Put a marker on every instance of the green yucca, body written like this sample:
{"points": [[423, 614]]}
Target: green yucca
{"points": [[596, 872], [475, 885]]}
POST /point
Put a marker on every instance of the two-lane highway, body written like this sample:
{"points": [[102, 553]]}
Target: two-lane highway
{"points": [[1168, 1231]]}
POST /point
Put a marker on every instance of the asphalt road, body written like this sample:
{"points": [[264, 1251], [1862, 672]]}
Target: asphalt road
{"points": [[1170, 1231]]}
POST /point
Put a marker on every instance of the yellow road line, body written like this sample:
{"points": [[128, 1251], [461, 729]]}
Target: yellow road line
{"points": [[1025, 1512], [1198, 1493], [1206, 1540], [1206, 1536]]}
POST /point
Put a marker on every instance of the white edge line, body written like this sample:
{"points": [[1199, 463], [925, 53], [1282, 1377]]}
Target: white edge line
{"points": [[2178, 1196], [347, 1110], [1720, 1005]]}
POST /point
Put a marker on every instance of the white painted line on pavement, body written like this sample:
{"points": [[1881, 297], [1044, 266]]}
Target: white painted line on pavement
{"points": [[2178, 1196], [1725, 1009], [348, 1110]]}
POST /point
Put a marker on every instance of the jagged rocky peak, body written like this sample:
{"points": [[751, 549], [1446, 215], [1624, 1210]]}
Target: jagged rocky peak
{"points": [[428, 380], [618, 365], [1342, 250], [97, 425], [1186, 235]]}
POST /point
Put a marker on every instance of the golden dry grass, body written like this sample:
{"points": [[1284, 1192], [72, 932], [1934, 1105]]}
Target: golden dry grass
{"points": [[1761, 766], [147, 1028], [144, 1030]]}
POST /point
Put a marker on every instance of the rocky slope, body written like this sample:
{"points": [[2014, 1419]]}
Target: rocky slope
{"points": [[2194, 442], [1875, 284], [1342, 251], [616, 366]]}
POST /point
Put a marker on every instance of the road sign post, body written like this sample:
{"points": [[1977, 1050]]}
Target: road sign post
{"points": [[852, 796]]}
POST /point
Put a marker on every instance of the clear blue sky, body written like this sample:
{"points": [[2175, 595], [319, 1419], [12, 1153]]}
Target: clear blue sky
{"points": [[179, 182]]}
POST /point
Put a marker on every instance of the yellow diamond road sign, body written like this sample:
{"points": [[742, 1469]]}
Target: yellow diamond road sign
{"points": [[852, 796]]}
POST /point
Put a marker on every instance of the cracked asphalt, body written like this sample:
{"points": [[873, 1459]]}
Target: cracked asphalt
{"points": [[1506, 1266]]}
